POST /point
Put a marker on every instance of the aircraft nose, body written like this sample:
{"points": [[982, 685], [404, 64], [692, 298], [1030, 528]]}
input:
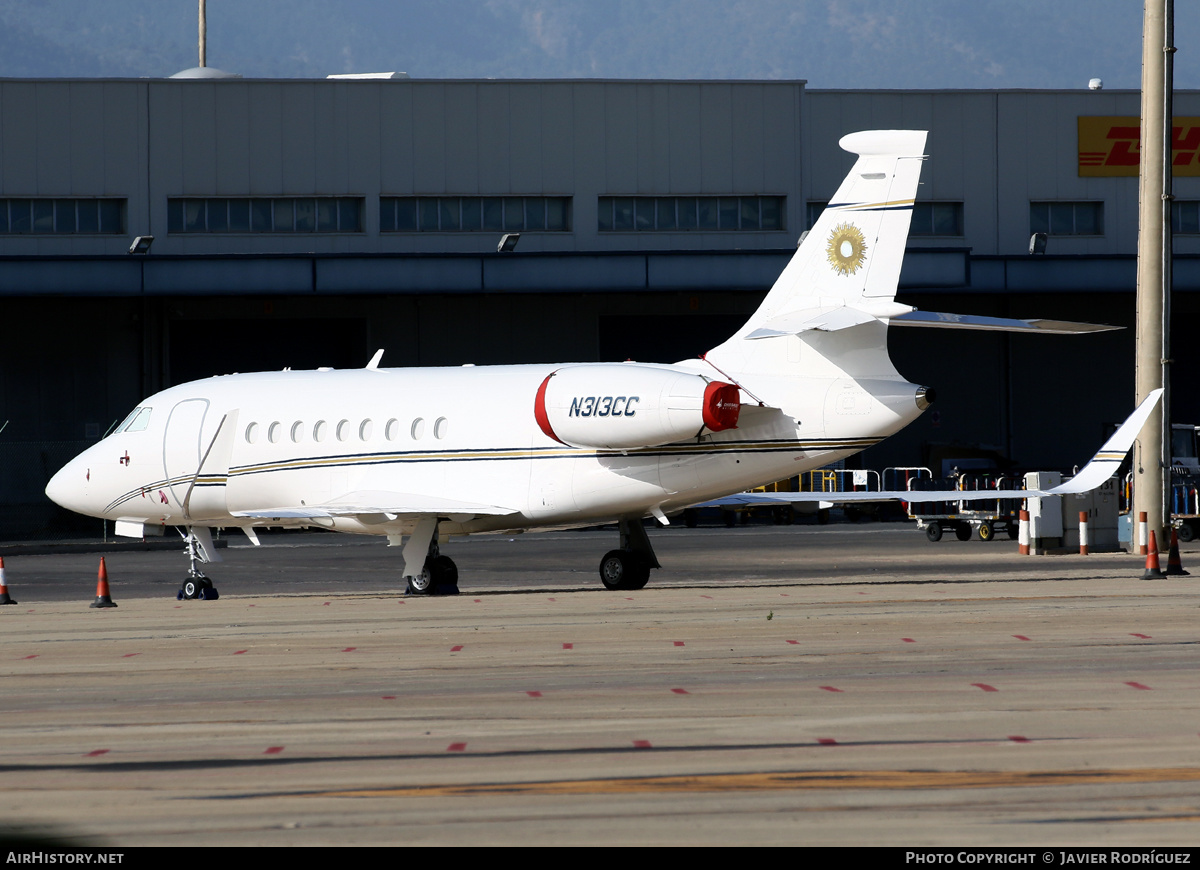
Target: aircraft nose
{"points": [[69, 486]]}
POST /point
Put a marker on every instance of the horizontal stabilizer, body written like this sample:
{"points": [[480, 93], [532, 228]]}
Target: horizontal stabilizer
{"points": [[831, 318], [1102, 466], [999, 324]]}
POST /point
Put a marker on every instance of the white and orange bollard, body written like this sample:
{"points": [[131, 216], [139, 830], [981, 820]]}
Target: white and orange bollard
{"points": [[1141, 534], [1023, 533], [1083, 533]]}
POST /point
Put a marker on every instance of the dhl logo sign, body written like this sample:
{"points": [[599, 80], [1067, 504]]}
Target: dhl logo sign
{"points": [[1108, 146]]}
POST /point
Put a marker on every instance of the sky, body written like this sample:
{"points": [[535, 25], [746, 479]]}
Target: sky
{"points": [[828, 43]]}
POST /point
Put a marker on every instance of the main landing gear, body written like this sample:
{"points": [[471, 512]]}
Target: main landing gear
{"points": [[629, 567], [197, 585], [436, 574]]}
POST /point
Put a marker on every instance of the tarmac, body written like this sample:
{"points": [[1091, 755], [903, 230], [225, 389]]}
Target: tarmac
{"points": [[773, 685]]}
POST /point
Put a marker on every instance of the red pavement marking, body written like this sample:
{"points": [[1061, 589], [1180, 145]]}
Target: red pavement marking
{"points": [[34, 656], [1134, 685], [389, 697], [456, 747], [827, 741], [1017, 738], [240, 652], [1135, 634], [273, 750], [709, 597], [456, 648], [1020, 637], [829, 688], [478, 600], [908, 640], [534, 694], [130, 655], [794, 642], [679, 643], [551, 599], [985, 687], [680, 691], [568, 646], [96, 752], [642, 744], [350, 649]]}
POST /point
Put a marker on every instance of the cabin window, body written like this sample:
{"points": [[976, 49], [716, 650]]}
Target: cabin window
{"points": [[439, 428], [364, 430], [297, 432], [319, 430], [418, 429], [251, 433], [392, 429], [343, 430], [274, 432]]}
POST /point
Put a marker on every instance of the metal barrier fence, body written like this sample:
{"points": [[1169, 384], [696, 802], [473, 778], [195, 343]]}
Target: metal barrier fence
{"points": [[26, 514]]}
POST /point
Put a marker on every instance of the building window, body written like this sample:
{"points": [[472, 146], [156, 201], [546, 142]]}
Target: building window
{"points": [[262, 214], [62, 216], [1067, 218], [813, 211], [937, 219], [1185, 217], [474, 214], [689, 213]]}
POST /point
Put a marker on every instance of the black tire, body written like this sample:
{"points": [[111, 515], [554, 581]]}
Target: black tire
{"points": [[963, 532], [444, 574], [191, 589], [621, 569], [933, 531], [1187, 532], [986, 532]]}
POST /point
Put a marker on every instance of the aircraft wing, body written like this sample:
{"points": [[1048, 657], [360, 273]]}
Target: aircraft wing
{"points": [[379, 506], [1101, 467]]}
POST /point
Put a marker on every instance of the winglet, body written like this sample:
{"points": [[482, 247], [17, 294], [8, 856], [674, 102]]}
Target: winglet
{"points": [[1104, 464], [374, 363]]}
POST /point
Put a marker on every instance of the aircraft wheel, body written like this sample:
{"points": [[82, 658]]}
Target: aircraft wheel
{"points": [[444, 574], [621, 569], [986, 532], [963, 532], [1187, 533], [933, 531], [191, 589]]}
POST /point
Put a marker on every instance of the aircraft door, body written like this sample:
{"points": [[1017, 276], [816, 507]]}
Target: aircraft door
{"points": [[182, 446]]}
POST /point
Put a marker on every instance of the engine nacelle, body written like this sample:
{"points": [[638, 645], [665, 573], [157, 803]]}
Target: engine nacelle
{"points": [[616, 406]]}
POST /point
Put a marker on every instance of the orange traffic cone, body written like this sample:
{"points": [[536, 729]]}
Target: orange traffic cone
{"points": [[102, 597], [1153, 572], [1174, 565], [4, 599]]}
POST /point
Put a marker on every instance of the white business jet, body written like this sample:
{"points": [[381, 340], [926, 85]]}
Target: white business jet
{"points": [[418, 454]]}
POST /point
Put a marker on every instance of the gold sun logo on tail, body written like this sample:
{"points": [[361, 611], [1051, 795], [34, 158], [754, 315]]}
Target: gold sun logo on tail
{"points": [[847, 249]]}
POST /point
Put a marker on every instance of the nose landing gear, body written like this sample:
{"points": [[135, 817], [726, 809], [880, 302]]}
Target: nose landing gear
{"points": [[197, 585]]}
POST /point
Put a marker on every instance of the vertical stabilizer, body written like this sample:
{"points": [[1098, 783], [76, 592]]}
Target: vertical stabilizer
{"points": [[846, 270]]}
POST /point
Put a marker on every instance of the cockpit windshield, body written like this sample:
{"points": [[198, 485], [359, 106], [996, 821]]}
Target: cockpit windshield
{"points": [[138, 419]]}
